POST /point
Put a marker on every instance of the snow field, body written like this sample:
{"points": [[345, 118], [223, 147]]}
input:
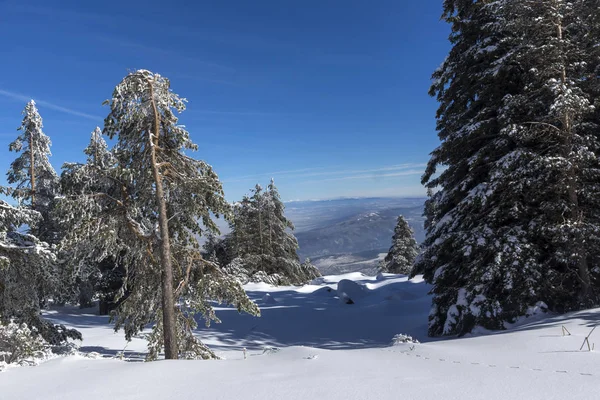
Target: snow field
{"points": [[327, 349]]}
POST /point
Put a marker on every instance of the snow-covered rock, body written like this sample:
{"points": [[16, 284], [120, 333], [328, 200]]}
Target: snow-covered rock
{"points": [[350, 292], [268, 299]]}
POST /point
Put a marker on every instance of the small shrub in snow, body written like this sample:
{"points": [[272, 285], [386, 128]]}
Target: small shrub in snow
{"points": [[402, 339], [21, 345]]}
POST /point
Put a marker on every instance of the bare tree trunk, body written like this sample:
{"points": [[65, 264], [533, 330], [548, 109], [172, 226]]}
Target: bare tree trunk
{"points": [[32, 170], [582, 262], [168, 302]]}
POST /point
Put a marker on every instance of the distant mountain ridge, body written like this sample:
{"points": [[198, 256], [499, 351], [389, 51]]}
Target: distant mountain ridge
{"points": [[345, 235]]}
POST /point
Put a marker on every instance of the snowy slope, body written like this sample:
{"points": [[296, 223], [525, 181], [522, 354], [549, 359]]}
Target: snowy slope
{"points": [[328, 350]]}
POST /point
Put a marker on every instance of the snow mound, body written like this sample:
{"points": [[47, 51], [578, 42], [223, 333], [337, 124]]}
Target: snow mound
{"points": [[401, 338], [324, 291], [268, 299], [350, 292], [317, 281]]}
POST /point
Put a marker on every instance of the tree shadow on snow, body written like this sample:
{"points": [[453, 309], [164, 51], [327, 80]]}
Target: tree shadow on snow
{"points": [[129, 356], [320, 319]]}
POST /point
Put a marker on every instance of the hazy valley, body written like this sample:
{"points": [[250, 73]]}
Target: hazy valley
{"points": [[347, 235]]}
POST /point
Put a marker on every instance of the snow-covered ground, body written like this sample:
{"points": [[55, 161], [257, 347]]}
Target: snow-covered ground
{"points": [[327, 350]]}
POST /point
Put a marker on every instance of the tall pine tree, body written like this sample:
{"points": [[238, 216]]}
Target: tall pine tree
{"points": [[505, 220], [404, 250], [555, 123], [157, 201], [80, 278], [263, 243], [35, 180], [27, 274]]}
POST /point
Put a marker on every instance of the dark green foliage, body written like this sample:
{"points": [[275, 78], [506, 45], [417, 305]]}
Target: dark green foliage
{"points": [[113, 211], [261, 246], [403, 252], [512, 216]]}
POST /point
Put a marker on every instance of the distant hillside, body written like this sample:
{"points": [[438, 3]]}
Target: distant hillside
{"points": [[351, 234], [358, 233]]}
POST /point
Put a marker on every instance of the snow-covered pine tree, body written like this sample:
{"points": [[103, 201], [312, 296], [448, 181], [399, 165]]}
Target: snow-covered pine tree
{"points": [[477, 253], [404, 250], [506, 224], [283, 242], [555, 124], [97, 152], [27, 274], [80, 278], [36, 182], [162, 202], [264, 245]]}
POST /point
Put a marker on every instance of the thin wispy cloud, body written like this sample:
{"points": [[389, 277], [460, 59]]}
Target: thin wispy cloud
{"points": [[337, 174], [396, 167], [52, 106], [369, 176]]}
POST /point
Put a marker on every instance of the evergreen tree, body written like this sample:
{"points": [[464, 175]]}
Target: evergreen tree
{"points": [[404, 250], [27, 274], [36, 182], [219, 250], [282, 242], [556, 124], [82, 280], [476, 243], [508, 207], [162, 202], [262, 243], [97, 152]]}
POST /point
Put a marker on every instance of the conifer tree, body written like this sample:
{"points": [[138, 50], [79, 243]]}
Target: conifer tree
{"points": [[158, 200], [80, 278], [404, 250], [261, 238], [36, 182], [506, 218], [476, 242], [27, 274], [556, 124], [283, 242]]}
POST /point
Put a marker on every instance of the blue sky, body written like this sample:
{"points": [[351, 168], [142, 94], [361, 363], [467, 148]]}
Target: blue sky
{"points": [[328, 97]]}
